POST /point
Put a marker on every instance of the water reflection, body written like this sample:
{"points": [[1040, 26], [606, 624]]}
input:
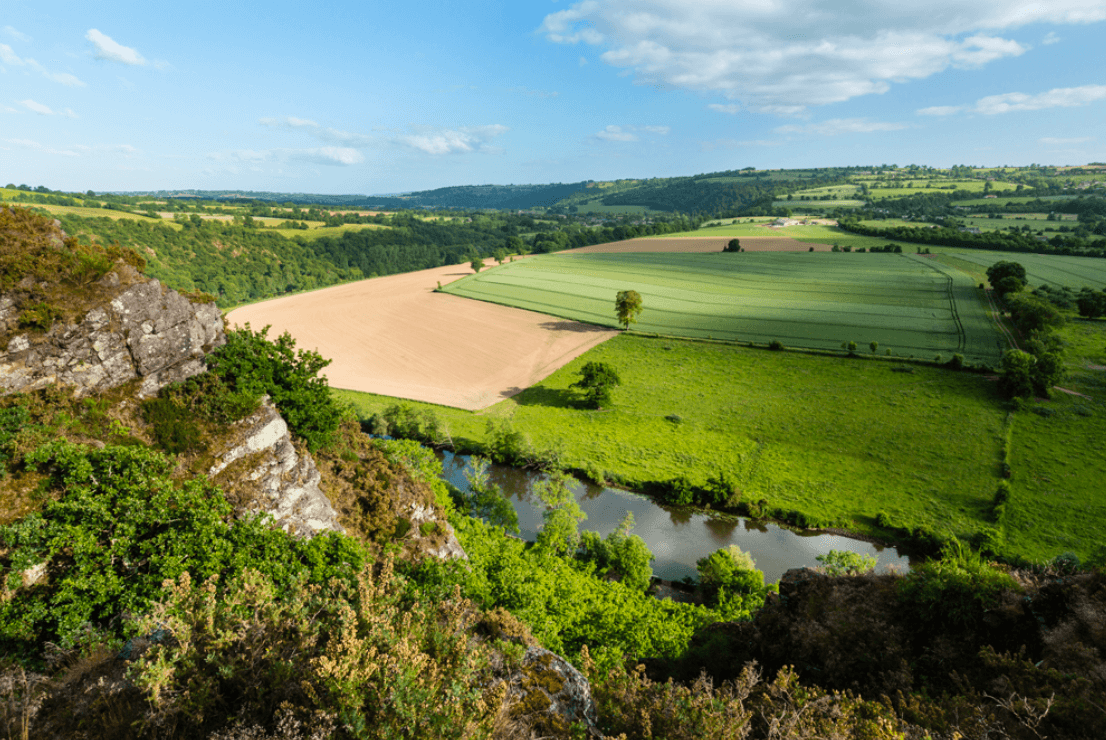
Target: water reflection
{"points": [[677, 537]]}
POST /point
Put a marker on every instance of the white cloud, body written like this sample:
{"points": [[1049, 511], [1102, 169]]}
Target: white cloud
{"points": [[13, 33], [327, 155], [730, 108], [837, 126], [452, 141], [708, 146], [782, 56], [939, 110], [583, 61], [8, 56], [35, 107], [1061, 97], [321, 133], [1050, 38], [111, 50], [616, 133], [534, 93], [629, 133], [29, 144], [1050, 141]]}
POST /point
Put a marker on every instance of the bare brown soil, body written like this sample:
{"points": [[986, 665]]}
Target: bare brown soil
{"points": [[396, 337], [695, 244]]}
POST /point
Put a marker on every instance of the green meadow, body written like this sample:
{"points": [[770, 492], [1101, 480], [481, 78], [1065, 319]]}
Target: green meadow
{"points": [[1058, 456], [840, 439], [814, 300]]}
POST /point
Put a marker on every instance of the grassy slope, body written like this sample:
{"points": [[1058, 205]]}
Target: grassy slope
{"points": [[841, 439]]}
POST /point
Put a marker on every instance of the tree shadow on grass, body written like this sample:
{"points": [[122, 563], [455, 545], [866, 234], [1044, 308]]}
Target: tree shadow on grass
{"points": [[550, 397], [574, 326]]}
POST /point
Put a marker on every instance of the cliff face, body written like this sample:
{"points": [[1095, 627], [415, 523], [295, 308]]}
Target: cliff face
{"points": [[85, 319], [138, 329]]}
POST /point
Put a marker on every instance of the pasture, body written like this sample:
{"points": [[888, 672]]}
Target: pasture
{"points": [[911, 307], [839, 439]]}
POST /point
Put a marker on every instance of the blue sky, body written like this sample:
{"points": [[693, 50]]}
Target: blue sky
{"points": [[382, 97]]}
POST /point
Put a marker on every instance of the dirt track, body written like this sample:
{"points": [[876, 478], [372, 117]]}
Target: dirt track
{"points": [[688, 244], [396, 337]]}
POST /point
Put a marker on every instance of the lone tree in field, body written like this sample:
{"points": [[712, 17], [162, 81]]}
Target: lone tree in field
{"points": [[596, 381], [477, 264], [733, 246], [1006, 277], [627, 304]]}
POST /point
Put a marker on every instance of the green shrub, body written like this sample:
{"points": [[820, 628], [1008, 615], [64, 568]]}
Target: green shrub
{"points": [[174, 426], [846, 563], [776, 345], [621, 556], [958, 587], [250, 363], [119, 528]]}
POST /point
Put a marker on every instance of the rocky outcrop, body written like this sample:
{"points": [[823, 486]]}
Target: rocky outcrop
{"points": [[145, 331], [283, 482], [551, 695]]}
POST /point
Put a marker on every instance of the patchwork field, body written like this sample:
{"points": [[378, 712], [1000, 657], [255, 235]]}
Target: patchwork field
{"points": [[910, 306], [700, 244], [395, 336]]}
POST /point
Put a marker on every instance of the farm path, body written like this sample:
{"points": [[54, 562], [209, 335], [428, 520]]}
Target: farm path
{"points": [[394, 336]]}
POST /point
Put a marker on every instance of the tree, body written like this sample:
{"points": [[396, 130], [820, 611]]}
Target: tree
{"points": [[733, 246], [729, 572], [1091, 304], [622, 555], [1018, 369], [477, 264], [560, 532], [1032, 314], [627, 305], [596, 381], [486, 500], [998, 273]]}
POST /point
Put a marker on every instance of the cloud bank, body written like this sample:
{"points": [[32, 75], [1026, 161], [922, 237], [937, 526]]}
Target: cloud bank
{"points": [[783, 56]]}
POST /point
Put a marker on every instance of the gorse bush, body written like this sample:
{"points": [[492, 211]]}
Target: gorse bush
{"points": [[366, 656]]}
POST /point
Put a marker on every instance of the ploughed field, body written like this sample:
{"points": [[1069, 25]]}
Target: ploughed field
{"points": [[395, 336], [909, 305]]}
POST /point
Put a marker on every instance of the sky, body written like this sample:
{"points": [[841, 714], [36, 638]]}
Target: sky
{"points": [[379, 98]]}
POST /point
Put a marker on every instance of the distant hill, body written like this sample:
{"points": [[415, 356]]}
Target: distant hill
{"points": [[466, 197]]}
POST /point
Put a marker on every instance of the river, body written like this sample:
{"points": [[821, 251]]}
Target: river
{"points": [[678, 537]]}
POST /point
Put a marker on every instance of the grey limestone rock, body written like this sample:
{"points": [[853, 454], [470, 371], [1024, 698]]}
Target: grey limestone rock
{"points": [[286, 482], [552, 694], [146, 331]]}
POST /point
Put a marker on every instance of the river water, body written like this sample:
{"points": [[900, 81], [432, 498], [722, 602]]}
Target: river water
{"points": [[677, 537]]}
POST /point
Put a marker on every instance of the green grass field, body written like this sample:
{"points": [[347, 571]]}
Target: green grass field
{"points": [[818, 300], [841, 439], [1058, 456], [1054, 269]]}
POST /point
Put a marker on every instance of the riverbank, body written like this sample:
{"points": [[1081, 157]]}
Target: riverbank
{"points": [[816, 442]]}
